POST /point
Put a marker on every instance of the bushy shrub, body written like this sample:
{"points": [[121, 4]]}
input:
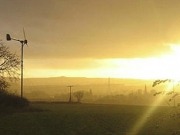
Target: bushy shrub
{"points": [[12, 100]]}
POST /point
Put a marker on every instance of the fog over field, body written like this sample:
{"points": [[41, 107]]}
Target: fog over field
{"points": [[95, 90]]}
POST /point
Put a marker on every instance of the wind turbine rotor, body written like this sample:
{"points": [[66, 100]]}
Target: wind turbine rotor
{"points": [[25, 40]]}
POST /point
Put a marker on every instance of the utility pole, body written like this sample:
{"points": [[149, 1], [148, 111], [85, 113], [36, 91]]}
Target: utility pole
{"points": [[70, 98], [109, 86], [174, 97]]}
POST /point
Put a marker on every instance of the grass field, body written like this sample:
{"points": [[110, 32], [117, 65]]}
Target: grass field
{"points": [[91, 119]]}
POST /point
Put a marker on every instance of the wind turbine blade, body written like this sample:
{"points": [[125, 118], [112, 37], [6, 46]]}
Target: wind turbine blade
{"points": [[25, 40], [24, 34]]}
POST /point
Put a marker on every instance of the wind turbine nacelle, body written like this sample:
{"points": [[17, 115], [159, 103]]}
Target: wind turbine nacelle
{"points": [[8, 37], [25, 41]]}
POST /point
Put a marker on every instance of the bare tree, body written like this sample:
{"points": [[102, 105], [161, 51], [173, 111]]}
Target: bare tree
{"points": [[79, 95], [9, 66], [9, 63], [3, 85]]}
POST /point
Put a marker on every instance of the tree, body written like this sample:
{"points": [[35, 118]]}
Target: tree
{"points": [[79, 95], [9, 67], [9, 63], [3, 85]]}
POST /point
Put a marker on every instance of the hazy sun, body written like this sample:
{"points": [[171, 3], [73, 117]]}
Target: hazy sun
{"points": [[166, 66], [174, 62]]}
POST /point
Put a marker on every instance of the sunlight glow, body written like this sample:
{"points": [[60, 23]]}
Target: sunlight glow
{"points": [[149, 112], [166, 66], [142, 121]]}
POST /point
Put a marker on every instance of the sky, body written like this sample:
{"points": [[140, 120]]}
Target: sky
{"points": [[95, 38]]}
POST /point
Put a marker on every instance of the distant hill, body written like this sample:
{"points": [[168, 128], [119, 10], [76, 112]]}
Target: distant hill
{"points": [[83, 81], [96, 90], [99, 86], [56, 88]]}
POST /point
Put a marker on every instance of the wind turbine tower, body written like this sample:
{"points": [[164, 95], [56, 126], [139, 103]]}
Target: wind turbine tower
{"points": [[23, 42]]}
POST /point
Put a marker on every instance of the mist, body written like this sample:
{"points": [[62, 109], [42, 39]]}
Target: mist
{"points": [[95, 90]]}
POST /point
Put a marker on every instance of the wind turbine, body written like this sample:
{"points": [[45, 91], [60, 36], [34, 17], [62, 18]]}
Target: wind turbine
{"points": [[23, 42]]}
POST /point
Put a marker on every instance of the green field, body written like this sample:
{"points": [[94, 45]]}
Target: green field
{"points": [[91, 119]]}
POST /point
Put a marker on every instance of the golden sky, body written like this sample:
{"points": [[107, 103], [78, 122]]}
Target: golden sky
{"points": [[94, 38]]}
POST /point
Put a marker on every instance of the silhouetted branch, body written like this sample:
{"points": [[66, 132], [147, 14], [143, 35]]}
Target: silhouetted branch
{"points": [[9, 63], [159, 82]]}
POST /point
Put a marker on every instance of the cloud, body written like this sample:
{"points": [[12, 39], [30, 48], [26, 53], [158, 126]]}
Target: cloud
{"points": [[62, 64], [92, 29]]}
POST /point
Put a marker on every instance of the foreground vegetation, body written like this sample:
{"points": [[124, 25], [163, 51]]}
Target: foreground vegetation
{"points": [[11, 100], [89, 119]]}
